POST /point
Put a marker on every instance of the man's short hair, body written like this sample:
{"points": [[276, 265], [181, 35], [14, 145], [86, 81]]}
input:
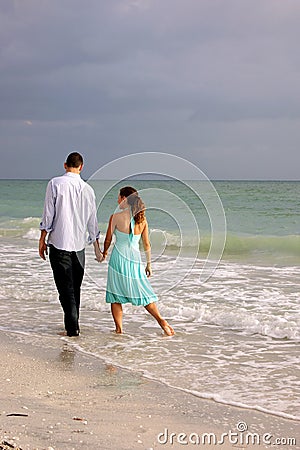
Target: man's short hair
{"points": [[74, 160]]}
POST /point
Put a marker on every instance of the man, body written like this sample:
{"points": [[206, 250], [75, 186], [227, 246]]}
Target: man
{"points": [[69, 213]]}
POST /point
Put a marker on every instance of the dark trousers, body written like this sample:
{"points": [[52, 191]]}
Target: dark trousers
{"points": [[68, 270]]}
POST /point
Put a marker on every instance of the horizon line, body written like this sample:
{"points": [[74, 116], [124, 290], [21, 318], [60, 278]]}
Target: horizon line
{"points": [[163, 179]]}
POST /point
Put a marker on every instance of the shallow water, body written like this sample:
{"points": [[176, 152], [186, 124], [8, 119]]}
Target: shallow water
{"points": [[237, 336]]}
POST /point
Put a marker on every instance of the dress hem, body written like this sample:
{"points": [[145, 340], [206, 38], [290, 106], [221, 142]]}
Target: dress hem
{"points": [[132, 301]]}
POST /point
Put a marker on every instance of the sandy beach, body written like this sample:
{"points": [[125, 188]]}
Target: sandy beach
{"points": [[54, 397]]}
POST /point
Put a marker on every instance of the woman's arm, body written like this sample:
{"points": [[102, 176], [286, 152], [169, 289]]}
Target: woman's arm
{"points": [[147, 249], [108, 237]]}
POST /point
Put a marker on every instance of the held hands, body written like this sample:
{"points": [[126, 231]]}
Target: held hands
{"points": [[102, 258], [99, 255], [148, 270]]}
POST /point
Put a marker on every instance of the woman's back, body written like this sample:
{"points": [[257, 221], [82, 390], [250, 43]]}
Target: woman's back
{"points": [[123, 221]]}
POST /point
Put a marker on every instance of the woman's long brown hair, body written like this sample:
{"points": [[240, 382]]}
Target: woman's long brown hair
{"points": [[136, 203]]}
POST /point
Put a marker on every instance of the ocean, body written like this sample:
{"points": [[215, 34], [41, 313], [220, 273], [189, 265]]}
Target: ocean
{"points": [[236, 316]]}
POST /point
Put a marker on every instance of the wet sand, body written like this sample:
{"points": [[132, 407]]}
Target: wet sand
{"points": [[54, 397]]}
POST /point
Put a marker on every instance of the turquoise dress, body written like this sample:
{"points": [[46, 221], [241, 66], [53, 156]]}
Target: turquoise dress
{"points": [[126, 279]]}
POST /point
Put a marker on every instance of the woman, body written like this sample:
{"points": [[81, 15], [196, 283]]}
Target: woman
{"points": [[127, 279]]}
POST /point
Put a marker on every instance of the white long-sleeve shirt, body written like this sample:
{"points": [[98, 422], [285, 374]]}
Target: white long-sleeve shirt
{"points": [[69, 213]]}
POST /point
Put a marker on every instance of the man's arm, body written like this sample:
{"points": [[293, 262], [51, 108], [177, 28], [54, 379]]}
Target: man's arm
{"points": [[92, 225], [98, 253], [47, 220]]}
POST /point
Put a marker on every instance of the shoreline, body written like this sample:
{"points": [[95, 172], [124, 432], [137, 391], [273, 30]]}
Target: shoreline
{"points": [[203, 396], [54, 396]]}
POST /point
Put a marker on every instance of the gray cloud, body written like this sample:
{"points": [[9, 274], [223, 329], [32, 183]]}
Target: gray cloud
{"points": [[201, 79]]}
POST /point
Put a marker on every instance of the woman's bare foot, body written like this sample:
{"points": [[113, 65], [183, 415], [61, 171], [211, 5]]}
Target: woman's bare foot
{"points": [[167, 328], [118, 331]]}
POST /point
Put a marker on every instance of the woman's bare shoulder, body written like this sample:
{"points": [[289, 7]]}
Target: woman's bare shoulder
{"points": [[116, 218], [117, 215]]}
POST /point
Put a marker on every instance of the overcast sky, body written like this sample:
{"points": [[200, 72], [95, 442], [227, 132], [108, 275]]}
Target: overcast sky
{"points": [[214, 81]]}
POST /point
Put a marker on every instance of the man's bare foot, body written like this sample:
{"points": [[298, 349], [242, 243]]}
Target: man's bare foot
{"points": [[62, 333], [167, 328]]}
